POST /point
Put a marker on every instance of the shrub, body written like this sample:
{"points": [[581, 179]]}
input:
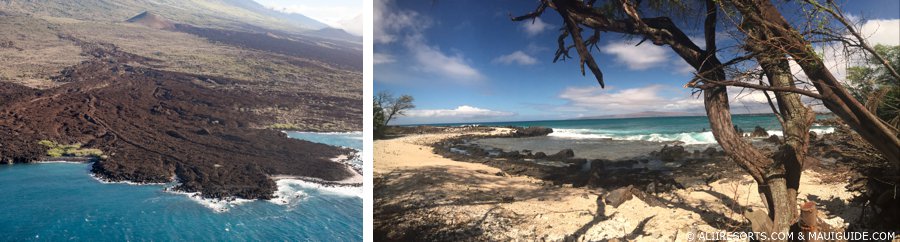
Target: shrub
{"points": [[57, 150]]}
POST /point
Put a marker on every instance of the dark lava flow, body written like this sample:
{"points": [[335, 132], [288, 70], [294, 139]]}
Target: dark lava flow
{"points": [[154, 125]]}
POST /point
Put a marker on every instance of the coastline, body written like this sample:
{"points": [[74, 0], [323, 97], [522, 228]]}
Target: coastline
{"points": [[419, 192], [287, 192]]}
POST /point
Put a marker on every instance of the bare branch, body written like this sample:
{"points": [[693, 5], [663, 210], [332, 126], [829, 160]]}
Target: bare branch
{"points": [[862, 43]]}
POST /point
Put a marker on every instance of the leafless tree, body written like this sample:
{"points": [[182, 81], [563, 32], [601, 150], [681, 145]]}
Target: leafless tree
{"points": [[393, 106]]}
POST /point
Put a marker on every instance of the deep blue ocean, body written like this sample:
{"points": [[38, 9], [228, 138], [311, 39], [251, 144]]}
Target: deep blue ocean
{"points": [[62, 202]]}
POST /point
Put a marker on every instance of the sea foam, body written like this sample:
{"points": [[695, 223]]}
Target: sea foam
{"points": [[689, 138], [686, 137]]}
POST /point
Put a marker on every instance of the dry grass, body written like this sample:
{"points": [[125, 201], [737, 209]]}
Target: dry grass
{"points": [[187, 53], [198, 12], [33, 52]]}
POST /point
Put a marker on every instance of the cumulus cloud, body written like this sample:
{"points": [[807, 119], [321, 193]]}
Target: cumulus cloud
{"points": [[593, 100], [535, 27], [432, 60], [882, 31], [629, 100], [876, 31], [381, 58], [636, 57], [407, 27], [389, 21], [517, 57], [463, 111]]}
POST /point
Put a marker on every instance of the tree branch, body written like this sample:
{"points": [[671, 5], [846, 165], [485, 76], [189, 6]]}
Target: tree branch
{"points": [[837, 14], [762, 87]]}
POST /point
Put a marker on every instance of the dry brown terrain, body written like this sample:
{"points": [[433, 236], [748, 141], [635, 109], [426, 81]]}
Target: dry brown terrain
{"points": [[160, 102]]}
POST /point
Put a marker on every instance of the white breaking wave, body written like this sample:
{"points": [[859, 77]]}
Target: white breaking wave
{"points": [[290, 188], [689, 138], [217, 205], [818, 130]]}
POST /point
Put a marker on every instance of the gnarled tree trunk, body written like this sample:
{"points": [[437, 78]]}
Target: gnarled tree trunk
{"points": [[834, 96]]}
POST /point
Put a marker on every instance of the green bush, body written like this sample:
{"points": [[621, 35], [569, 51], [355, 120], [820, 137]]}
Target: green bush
{"points": [[57, 150]]}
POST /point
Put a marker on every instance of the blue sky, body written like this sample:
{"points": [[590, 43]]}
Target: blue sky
{"points": [[465, 61], [344, 14]]}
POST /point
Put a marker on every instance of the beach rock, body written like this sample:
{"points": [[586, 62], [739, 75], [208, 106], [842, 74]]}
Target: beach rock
{"points": [[812, 136], [562, 155], [619, 196], [773, 139], [540, 155], [710, 152], [532, 131], [596, 165], [686, 181], [672, 153], [759, 132], [512, 154]]}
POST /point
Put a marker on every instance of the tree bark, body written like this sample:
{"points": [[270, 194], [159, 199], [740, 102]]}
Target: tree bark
{"points": [[778, 178], [834, 96]]}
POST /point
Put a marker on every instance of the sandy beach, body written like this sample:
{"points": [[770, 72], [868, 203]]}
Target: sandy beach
{"points": [[422, 195]]}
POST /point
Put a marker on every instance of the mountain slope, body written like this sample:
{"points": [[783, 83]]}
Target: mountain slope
{"points": [[295, 18], [227, 14], [152, 20]]}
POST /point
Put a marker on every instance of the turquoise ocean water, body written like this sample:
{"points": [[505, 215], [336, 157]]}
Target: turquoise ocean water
{"points": [[690, 130], [627, 138], [62, 202]]}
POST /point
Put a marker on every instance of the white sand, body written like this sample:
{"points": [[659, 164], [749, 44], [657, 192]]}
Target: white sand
{"points": [[430, 189]]}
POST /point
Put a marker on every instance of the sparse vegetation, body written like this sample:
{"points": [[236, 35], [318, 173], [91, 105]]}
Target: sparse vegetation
{"points": [[378, 121], [73, 150], [284, 126], [35, 53]]}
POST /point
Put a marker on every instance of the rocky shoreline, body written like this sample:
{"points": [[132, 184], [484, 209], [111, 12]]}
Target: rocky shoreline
{"points": [[660, 181], [152, 125], [670, 168]]}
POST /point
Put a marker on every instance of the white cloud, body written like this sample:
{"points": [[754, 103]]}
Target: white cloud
{"points": [[877, 31], [353, 25], [464, 111], [594, 100], [882, 31], [343, 14], [637, 57], [381, 58], [535, 27], [430, 59], [407, 27], [517, 57], [389, 21], [630, 100]]}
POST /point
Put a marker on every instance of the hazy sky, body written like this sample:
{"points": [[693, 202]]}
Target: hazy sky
{"points": [[469, 64], [345, 14]]}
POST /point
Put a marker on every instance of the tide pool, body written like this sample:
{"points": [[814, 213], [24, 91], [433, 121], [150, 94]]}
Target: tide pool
{"points": [[61, 201]]}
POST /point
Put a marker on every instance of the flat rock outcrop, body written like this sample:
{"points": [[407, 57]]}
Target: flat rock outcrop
{"points": [[532, 131]]}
